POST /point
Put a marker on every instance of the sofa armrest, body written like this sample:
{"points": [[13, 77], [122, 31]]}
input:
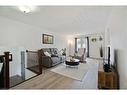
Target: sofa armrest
{"points": [[46, 61], [46, 57]]}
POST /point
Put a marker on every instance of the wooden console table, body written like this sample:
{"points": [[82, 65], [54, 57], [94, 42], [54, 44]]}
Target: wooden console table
{"points": [[107, 80]]}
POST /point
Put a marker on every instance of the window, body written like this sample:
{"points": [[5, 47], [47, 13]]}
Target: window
{"points": [[80, 43]]}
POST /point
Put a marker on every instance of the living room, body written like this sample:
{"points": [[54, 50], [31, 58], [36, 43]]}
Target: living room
{"points": [[24, 31]]}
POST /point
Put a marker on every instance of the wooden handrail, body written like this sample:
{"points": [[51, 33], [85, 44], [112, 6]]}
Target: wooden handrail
{"points": [[6, 71], [5, 68], [40, 61]]}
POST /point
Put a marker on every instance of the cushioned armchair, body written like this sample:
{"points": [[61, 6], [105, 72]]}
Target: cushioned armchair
{"points": [[80, 54]]}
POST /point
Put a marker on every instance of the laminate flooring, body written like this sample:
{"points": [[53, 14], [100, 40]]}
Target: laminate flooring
{"points": [[51, 80]]}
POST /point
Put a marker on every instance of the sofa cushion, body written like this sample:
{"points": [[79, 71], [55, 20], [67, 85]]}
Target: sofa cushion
{"points": [[55, 51], [55, 59]]}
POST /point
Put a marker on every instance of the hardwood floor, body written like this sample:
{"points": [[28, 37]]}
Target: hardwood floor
{"points": [[51, 80], [14, 80]]}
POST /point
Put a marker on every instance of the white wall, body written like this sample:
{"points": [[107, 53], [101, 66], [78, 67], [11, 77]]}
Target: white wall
{"points": [[14, 34], [94, 47], [117, 30], [15, 66]]}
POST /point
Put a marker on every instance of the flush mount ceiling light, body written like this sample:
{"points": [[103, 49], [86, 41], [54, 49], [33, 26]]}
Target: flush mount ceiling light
{"points": [[27, 9]]}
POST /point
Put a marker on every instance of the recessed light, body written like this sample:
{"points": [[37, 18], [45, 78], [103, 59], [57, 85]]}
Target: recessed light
{"points": [[27, 9]]}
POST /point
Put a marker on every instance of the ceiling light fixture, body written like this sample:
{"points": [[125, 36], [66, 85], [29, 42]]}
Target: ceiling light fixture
{"points": [[27, 9]]}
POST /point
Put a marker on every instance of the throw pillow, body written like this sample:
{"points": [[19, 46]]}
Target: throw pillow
{"points": [[55, 52], [47, 54]]}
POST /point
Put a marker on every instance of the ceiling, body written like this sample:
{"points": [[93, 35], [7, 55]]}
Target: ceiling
{"points": [[65, 19]]}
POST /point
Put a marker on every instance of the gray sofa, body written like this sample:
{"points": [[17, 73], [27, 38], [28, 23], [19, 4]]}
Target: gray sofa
{"points": [[54, 59]]}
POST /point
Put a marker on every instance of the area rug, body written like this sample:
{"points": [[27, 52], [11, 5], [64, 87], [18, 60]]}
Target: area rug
{"points": [[72, 72]]}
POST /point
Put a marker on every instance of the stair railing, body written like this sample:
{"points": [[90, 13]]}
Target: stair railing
{"points": [[4, 74], [34, 58]]}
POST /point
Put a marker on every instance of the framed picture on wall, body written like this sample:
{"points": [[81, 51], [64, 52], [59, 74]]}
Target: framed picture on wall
{"points": [[47, 39]]}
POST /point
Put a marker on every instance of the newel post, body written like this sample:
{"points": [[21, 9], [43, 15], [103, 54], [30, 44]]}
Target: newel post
{"points": [[6, 71]]}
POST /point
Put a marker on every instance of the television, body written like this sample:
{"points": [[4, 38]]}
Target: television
{"points": [[109, 56], [107, 67]]}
